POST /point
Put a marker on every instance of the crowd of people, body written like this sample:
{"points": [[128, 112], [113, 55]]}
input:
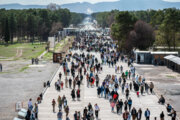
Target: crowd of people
{"points": [[82, 68]]}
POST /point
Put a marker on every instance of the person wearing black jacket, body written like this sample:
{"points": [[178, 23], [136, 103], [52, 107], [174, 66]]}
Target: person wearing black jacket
{"points": [[139, 114], [133, 113], [117, 106], [28, 114], [162, 116], [70, 82], [120, 106], [73, 94]]}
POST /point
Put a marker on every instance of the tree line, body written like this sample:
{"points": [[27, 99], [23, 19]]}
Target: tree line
{"points": [[35, 24], [142, 29]]}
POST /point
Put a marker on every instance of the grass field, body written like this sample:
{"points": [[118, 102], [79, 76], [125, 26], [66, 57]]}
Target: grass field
{"points": [[48, 56], [21, 51]]}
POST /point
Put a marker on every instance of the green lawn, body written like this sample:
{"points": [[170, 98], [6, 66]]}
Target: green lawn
{"points": [[28, 50], [48, 56]]}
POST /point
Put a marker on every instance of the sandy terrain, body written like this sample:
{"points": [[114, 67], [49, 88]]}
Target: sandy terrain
{"points": [[166, 82], [20, 86]]}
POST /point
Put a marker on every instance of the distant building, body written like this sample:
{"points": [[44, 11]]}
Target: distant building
{"points": [[70, 31], [149, 57], [172, 62], [143, 57]]}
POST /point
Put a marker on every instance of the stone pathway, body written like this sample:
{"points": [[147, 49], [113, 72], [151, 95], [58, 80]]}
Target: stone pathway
{"points": [[90, 95]]}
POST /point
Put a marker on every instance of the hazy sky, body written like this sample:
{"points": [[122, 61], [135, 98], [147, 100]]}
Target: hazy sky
{"points": [[45, 2]]}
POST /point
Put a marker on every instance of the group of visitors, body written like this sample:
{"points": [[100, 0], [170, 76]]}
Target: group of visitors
{"points": [[32, 112], [84, 67], [35, 61]]}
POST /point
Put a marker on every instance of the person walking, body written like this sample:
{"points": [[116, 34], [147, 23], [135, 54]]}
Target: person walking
{"points": [[125, 115], [30, 105], [117, 106], [66, 82], [99, 91], [129, 103], [32, 60], [173, 115], [162, 116], [59, 102], [139, 114], [127, 93], [59, 115], [67, 110], [129, 74], [151, 87], [133, 113], [130, 86], [60, 75], [112, 105], [53, 104], [121, 69], [1, 68], [73, 94], [122, 88], [146, 88], [62, 85], [120, 106], [97, 109], [78, 94], [97, 80], [147, 114], [36, 110], [125, 105], [142, 89], [70, 82], [28, 115]]}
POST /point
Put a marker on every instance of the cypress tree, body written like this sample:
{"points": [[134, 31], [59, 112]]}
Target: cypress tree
{"points": [[7, 34]]}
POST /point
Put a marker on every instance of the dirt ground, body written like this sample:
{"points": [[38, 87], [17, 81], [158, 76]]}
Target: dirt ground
{"points": [[167, 82], [18, 82]]}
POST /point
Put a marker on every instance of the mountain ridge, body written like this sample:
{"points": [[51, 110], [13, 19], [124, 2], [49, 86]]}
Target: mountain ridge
{"points": [[104, 6]]}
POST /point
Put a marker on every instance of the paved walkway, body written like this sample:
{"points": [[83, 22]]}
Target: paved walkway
{"points": [[90, 95]]}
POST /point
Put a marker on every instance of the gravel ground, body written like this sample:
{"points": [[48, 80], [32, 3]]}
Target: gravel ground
{"points": [[20, 86], [166, 82]]}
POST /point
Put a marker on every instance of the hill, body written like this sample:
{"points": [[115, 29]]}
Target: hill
{"points": [[105, 6]]}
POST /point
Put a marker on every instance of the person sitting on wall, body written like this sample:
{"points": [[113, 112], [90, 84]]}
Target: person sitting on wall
{"points": [[169, 108], [161, 100]]}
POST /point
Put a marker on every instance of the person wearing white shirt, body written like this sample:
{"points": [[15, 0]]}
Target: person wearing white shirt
{"points": [[30, 106], [96, 110]]}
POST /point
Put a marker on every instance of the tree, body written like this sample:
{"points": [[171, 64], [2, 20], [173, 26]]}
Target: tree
{"points": [[142, 37], [55, 28], [6, 34], [157, 18], [34, 23], [12, 27], [131, 41], [77, 18], [65, 17], [21, 25], [171, 26], [121, 28], [31, 25]]}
